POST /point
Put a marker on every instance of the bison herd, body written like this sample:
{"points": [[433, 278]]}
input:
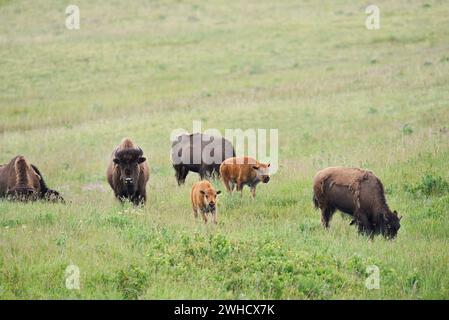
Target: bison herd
{"points": [[356, 192]]}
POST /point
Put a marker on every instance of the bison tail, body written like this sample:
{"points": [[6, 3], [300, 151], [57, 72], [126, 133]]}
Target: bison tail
{"points": [[315, 202]]}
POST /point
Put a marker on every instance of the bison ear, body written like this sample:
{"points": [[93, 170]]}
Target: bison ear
{"points": [[116, 161], [255, 167], [202, 192], [395, 212], [141, 159], [268, 165], [219, 191]]}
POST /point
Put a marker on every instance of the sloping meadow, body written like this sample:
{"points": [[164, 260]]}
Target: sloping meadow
{"points": [[339, 94]]}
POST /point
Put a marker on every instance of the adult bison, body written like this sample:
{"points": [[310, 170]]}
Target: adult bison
{"points": [[201, 153], [128, 172], [20, 180], [356, 192]]}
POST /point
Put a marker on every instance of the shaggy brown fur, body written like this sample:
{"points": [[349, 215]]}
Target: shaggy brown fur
{"points": [[204, 199], [128, 172], [356, 192], [20, 180], [240, 171]]}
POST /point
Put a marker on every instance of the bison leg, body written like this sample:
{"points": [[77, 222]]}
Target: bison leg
{"points": [[227, 185], [326, 216], [214, 217], [202, 172], [363, 224], [195, 212], [139, 198], [240, 187], [22, 194], [204, 216], [253, 191], [181, 174]]}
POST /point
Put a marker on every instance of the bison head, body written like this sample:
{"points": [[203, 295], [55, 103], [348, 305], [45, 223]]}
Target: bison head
{"points": [[127, 162], [262, 171], [392, 224], [53, 196], [210, 199]]}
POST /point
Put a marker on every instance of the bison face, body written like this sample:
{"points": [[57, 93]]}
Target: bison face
{"points": [[127, 161], [392, 225], [210, 199], [262, 172]]}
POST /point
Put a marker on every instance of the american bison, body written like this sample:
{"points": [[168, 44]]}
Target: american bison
{"points": [[242, 171], [204, 199], [199, 153], [22, 181], [356, 192], [128, 172]]}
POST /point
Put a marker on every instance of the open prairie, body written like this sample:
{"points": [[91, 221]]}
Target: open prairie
{"points": [[338, 93]]}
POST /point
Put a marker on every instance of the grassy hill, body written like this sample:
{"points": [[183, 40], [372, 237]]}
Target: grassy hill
{"points": [[338, 93]]}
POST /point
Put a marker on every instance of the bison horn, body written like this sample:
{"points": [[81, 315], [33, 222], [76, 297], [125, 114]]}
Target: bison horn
{"points": [[115, 154], [140, 151]]}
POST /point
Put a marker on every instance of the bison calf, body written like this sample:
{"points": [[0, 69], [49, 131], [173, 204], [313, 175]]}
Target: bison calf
{"points": [[128, 173], [204, 199], [240, 171], [20, 180], [356, 192]]}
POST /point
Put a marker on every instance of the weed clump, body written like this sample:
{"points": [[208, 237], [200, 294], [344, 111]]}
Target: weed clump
{"points": [[429, 186], [131, 282]]}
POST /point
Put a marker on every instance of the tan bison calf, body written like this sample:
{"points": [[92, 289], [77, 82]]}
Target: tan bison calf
{"points": [[240, 171], [356, 192], [204, 199]]}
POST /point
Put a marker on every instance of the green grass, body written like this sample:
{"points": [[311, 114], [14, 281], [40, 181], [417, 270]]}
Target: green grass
{"points": [[338, 93]]}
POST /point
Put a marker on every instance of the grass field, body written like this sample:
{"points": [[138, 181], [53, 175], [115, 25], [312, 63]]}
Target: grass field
{"points": [[339, 94]]}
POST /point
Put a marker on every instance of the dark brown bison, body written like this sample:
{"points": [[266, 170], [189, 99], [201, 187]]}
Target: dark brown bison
{"points": [[199, 153], [20, 180], [356, 192], [128, 173]]}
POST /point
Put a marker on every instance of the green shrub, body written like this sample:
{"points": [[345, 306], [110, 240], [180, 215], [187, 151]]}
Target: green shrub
{"points": [[407, 129], [132, 282], [429, 186]]}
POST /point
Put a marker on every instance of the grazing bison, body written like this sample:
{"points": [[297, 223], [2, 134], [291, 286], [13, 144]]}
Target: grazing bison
{"points": [[204, 199], [20, 180], [356, 192], [128, 172], [199, 153], [242, 171]]}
